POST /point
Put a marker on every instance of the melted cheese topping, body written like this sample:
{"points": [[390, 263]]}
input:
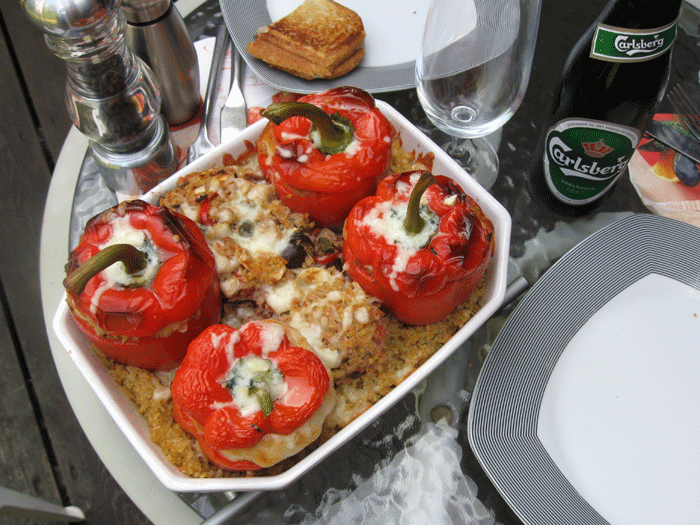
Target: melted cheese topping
{"points": [[244, 373], [315, 138], [271, 336], [273, 448], [280, 298], [385, 220], [352, 148], [313, 333], [247, 229], [288, 137], [189, 211], [116, 275], [344, 302], [246, 376]]}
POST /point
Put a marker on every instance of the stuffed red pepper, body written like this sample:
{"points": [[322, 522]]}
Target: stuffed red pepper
{"points": [[142, 284], [420, 246], [253, 396], [325, 152]]}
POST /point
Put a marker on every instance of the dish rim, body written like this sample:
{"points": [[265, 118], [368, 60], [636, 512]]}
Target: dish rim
{"points": [[134, 426]]}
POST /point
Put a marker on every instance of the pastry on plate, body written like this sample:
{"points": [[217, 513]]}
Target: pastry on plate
{"points": [[319, 39]]}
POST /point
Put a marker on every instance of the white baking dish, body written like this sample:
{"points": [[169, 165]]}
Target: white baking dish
{"points": [[135, 427]]}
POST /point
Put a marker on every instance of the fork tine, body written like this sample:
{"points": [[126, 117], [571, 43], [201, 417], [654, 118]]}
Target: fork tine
{"points": [[685, 109], [692, 114], [678, 106]]}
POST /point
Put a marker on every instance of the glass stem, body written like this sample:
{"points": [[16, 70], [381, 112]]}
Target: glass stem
{"points": [[459, 148]]}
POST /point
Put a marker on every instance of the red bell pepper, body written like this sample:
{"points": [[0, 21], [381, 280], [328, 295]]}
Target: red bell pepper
{"points": [[420, 246], [238, 391], [205, 209], [325, 152], [163, 291], [326, 246]]}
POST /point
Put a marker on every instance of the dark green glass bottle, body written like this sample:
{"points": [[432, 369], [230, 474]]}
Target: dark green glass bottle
{"points": [[611, 85]]}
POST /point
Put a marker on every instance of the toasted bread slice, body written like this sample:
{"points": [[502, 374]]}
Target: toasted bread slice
{"points": [[319, 39]]}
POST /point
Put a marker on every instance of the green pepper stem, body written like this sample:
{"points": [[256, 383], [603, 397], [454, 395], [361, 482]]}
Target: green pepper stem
{"points": [[134, 260], [264, 398], [413, 223], [335, 130]]}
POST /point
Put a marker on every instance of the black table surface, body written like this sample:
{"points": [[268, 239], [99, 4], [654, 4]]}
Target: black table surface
{"points": [[43, 450]]}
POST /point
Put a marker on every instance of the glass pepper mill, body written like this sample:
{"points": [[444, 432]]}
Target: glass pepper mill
{"points": [[110, 93]]}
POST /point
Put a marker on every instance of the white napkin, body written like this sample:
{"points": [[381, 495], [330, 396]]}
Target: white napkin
{"points": [[422, 485]]}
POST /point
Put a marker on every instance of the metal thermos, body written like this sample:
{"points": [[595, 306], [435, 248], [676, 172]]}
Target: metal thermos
{"points": [[157, 34]]}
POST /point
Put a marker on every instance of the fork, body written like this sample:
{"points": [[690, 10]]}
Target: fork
{"points": [[233, 114], [203, 144], [686, 110]]}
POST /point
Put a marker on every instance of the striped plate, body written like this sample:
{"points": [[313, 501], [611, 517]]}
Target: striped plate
{"points": [[586, 409]]}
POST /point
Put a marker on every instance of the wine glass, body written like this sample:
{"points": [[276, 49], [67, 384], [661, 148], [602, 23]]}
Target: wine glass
{"points": [[472, 71]]}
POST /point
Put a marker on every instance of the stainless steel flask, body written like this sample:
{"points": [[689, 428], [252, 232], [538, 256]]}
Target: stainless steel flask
{"points": [[157, 34]]}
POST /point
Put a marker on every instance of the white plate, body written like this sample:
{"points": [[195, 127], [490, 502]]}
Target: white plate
{"points": [[393, 36], [587, 408], [134, 426]]}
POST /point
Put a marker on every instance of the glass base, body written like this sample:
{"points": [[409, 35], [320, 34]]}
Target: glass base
{"points": [[477, 157]]}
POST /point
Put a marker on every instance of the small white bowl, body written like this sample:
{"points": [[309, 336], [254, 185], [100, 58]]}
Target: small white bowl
{"points": [[134, 426]]}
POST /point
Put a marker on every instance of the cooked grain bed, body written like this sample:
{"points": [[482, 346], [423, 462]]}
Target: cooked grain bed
{"points": [[408, 347]]}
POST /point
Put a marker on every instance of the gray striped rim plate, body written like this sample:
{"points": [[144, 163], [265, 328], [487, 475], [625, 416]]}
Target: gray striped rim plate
{"points": [[586, 408]]}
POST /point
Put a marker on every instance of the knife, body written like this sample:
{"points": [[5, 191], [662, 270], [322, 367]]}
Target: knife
{"points": [[674, 139], [234, 113]]}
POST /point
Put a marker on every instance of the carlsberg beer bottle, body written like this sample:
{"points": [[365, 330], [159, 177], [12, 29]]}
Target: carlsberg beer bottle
{"points": [[611, 85]]}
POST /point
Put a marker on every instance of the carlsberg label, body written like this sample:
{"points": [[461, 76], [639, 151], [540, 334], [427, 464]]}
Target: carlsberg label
{"points": [[615, 44], [583, 158]]}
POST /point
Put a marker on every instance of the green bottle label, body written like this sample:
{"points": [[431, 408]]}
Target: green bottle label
{"points": [[616, 44], [583, 158]]}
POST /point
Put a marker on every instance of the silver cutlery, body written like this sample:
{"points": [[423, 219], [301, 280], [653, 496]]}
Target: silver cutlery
{"points": [[203, 143], [686, 110], [234, 113], [674, 139]]}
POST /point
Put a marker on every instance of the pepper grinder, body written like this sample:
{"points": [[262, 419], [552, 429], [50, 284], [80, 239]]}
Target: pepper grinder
{"points": [[157, 34], [110, 93]]}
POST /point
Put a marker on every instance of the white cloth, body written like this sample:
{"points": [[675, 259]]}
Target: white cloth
{"points": [[423, 484]]}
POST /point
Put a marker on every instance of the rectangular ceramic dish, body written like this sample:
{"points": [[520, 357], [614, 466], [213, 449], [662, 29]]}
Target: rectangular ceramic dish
{"points": [[135, 427]]}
